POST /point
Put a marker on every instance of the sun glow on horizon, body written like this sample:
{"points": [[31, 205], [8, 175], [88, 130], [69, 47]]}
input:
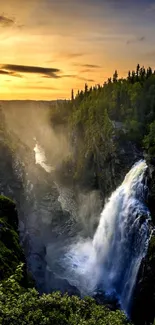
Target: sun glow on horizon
{"points": [[67, 44]]}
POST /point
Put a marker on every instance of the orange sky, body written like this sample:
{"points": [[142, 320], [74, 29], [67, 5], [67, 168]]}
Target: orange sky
{"points": [[51, 46]]}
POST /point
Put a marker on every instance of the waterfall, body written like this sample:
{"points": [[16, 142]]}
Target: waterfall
{"points": [[40, 158], [110, 261]]}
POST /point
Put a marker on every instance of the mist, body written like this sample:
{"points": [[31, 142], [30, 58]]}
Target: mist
{"points": [[31, 123], [53, 216]]}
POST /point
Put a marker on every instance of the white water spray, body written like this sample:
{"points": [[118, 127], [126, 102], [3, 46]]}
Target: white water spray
{"points": [[110, 262], [40, 158]]}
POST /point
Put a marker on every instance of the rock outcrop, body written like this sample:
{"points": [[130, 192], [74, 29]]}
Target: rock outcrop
{"points": [[11, 253], [143, 311]]}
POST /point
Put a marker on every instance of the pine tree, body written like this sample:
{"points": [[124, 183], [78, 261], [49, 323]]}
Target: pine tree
{"points": [[129, 75], [86, 88], [72, 95], [137, 70], [115, 76]]}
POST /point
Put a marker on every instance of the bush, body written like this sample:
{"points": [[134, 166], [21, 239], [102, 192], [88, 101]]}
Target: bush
{"points": [[21, 306]]}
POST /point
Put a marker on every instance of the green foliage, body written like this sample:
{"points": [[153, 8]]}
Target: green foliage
{"points": [[10, 251], [59, 112], [91, 113], [149, 140], [94, 128], [20, 306]]}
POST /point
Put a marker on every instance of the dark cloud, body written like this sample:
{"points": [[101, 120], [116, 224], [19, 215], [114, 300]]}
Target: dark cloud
{"points": [[86, 71], [73, 76], [14, 69], [74, 55], [6, 22], [86, 79], [90, 66], [53, 76], [69, 76], [135, 40], [4, 72], [48, 72], [61, 76], [78, 77], [9, 73]]}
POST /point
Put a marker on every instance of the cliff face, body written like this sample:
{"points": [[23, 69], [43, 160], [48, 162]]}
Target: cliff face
{"points": [[102, 168], [112, 169], [11, 253], [41, 218], [143, 311]]}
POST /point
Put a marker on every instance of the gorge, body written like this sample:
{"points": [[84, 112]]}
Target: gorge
{"points": [[75, 240]]}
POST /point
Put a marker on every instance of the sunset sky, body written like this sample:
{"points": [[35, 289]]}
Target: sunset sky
{"points": [[50, 46]]}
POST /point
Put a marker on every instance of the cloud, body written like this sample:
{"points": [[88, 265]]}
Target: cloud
{"points": [[86, 71], [90, 66], [49, 72], [6, 22], [4, 72], [135, 40], [10, 73], [68, 55], [62, 76], [78, 77], [14, 69], [73, 55], [141, 39], [38, 87], [85, 79], [73, 76]]}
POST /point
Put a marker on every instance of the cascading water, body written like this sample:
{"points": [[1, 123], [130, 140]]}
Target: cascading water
{"points": [[41, 158], [108, 262], [111, 260]]}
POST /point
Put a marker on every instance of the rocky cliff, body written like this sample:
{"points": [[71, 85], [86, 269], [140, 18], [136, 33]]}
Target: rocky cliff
{"points": [[11, 253], [48, 209], [143, 311]]}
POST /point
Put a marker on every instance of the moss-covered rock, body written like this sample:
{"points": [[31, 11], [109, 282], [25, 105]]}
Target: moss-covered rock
{"points": [[143, 311], [8, 211], [11, 253]]}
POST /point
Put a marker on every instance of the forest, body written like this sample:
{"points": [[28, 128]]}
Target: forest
{"points": [[100, 118], [100, 122]]}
